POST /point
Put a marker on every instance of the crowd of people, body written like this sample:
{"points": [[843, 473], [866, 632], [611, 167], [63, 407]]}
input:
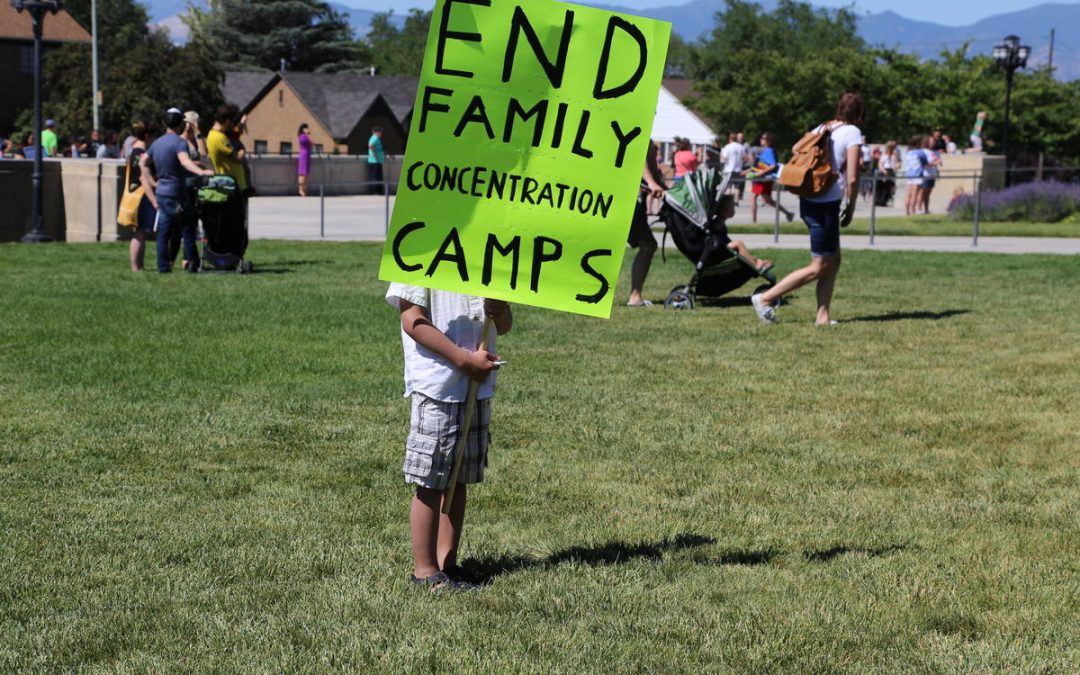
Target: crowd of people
{"points": [[162, 171], [95, 145]]}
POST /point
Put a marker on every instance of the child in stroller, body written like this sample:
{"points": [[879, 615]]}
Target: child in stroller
{"points": [[695, 214]]}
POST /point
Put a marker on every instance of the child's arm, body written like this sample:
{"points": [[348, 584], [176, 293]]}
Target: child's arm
{"points": [[499, 312], [414, 321]]}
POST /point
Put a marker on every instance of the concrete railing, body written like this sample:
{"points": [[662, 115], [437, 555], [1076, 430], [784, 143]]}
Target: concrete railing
{"points": [[275, 175]]}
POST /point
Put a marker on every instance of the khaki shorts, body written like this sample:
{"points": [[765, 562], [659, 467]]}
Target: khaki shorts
{"points": [[433, 437]]}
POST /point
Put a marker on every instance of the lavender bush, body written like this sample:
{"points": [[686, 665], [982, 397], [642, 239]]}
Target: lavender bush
{"points": [[1041, 202]]}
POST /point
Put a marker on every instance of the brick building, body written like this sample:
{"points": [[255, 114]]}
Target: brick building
{"points": [[340, 108], [17, 57]]}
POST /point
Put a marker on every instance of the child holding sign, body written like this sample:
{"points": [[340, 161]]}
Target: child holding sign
{"points": [[440, 332]]}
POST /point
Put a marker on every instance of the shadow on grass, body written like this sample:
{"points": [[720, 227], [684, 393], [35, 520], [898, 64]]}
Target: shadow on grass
{"points": [[486, 570], [910, 316], [828, 555], [286, 266], [612, 553]]}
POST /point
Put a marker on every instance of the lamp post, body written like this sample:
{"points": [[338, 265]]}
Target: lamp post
{"points": [[37, 10], [1010, 55]]}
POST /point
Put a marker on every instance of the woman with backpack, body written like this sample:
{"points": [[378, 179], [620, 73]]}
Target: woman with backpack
{"points": [[146, 218], [823, 214]]}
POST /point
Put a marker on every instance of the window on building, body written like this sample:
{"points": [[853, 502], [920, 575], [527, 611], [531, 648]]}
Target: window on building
{"points": [[261, 148], [26, 61], [318, 148], [286, 148], [281, 97]]}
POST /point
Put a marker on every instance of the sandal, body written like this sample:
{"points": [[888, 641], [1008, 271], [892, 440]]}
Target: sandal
{"points": [[644, 303]]}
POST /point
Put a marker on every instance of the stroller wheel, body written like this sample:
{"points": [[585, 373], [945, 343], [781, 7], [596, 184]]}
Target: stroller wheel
{"points": [[680, 298], [246, 267]]}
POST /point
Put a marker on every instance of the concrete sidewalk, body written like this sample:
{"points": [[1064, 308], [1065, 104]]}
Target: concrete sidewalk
{"points": [[364, 219]]}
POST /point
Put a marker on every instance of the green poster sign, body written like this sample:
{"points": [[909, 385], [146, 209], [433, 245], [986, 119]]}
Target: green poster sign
{"points": [[524, 161]]}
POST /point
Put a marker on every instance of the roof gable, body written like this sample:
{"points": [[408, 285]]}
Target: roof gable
{"points": [[59, 27]]}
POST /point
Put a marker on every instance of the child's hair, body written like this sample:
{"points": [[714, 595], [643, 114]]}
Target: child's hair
{"points": [[915, 142], [682, 144], [851, 108], [226, 114], [770, 138], [727, 202]]}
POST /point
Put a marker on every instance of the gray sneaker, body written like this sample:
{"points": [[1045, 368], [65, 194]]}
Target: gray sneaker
{"points": [[439, 582], [767, 313]]}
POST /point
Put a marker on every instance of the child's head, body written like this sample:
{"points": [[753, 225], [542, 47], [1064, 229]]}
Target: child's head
{"points": [[726, 208]]}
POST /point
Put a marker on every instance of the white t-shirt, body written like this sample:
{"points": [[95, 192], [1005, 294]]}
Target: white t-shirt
{"points": [[460, 318], [732, 154], [843, 137]]}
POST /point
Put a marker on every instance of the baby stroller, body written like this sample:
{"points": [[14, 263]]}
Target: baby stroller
{"points": [[221, 208], [691, 214]]}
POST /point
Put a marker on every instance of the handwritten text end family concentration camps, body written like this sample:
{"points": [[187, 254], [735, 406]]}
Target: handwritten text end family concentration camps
{"points": [[530, 133]]}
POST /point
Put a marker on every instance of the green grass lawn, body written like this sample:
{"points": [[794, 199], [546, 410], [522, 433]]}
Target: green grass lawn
{"points": [[202, 474], [922, 226]]}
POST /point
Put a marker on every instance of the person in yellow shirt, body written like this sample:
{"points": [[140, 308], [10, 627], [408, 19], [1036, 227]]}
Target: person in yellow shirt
{"points": [[226, 155]]}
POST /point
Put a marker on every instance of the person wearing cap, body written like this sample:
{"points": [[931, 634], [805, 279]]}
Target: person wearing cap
{"points": [[171, 160], [49, 140]]}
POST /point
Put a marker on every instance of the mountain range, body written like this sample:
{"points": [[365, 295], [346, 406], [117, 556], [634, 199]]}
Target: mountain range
{"points": [[695, 18]]}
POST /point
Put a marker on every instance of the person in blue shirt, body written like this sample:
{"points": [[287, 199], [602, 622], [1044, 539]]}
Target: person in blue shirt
{"points": [[375, 159], [762, 174], [168, 165]]}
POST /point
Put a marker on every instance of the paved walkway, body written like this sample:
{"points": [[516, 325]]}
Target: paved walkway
{"points": [[364, 219]]}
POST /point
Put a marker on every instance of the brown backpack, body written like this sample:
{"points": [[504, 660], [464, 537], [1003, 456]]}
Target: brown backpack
{"points": [[810, 172]]}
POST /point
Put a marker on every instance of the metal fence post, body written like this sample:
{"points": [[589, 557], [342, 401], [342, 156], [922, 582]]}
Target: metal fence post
{"points": [[776, 220], [386, 192], [873, 207], [978, 207], [322, 211]]}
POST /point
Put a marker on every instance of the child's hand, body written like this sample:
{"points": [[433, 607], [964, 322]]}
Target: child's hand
{"points": [[478, 365], [494, 308]]}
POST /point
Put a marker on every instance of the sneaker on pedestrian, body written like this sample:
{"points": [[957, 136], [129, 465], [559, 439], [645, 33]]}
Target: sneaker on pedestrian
{"points": [[767, 313]]}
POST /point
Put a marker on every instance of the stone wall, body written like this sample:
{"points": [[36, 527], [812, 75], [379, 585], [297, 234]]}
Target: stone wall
{"points": [[16, 188], [956, 177]]}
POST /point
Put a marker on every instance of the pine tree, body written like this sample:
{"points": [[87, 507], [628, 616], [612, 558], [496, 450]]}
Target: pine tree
{"points": [[257, 34]]}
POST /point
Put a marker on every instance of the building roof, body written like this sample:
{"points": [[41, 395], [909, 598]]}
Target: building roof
{"points": [[59, 27], [675, 119], [338, 100], [242, 88], [686, 92]]}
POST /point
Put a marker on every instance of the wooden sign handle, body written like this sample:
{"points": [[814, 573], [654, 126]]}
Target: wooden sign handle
{"points": [[466, 423]]}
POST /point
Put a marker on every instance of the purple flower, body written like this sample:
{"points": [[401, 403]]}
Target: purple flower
{"points": [[1039, 202]]}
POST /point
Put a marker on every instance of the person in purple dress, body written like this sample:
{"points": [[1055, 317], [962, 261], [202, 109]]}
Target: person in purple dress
{"points": [[303, 165]]}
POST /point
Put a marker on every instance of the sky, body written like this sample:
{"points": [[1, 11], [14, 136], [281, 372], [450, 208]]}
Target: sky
{"points": [[948, 12]]}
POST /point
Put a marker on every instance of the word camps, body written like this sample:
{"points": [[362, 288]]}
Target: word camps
{"points": [[545, 249]]}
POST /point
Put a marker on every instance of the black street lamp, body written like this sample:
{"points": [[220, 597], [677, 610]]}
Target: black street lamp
{"points": [[37, 10], [1010, 55]]}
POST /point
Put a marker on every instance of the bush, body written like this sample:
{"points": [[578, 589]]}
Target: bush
{"points": [[1040, 202]]}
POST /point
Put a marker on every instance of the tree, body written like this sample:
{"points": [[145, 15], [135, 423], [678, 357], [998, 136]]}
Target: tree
{"points": [[141, 72], [398, 51], [679, 57], [780, 71], [308, 35]]}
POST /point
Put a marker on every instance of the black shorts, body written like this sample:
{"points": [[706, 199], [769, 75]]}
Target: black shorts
{"points": [[639, 226]]}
